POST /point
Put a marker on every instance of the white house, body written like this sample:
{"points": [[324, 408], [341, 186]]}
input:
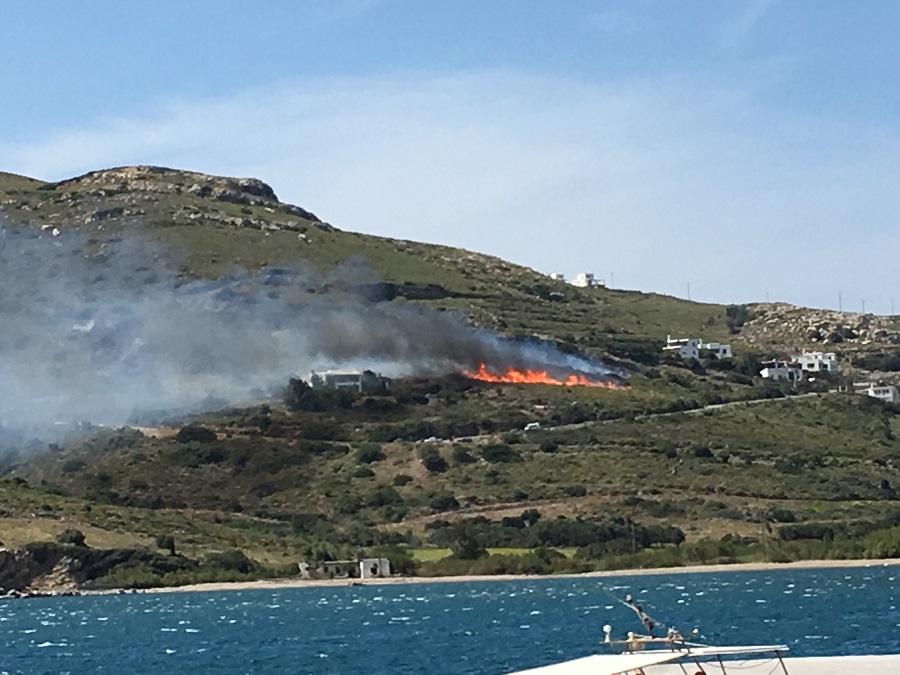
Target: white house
{"points": [[817, 362], [721, 351], [781, 371], [690, 348], [362, 568], [371, 568], [363, 381], [587, 280], [557, 276], [686, 348], [884, 392]]}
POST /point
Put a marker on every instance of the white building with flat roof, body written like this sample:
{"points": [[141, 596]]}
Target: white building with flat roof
{"points": [[587, 280], [885, 392], [686, 348], [721, 351], [362, 381], [781, 371], [691, 348], [817, 362]]}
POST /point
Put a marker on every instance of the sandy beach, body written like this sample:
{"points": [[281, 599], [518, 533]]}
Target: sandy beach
{"points": [[699, 569]]}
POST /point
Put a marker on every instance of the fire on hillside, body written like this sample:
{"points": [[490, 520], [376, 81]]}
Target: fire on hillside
{"points": [[528, 376]]}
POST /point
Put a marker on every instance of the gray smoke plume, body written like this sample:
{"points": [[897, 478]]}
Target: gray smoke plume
{"points": [[97, 332]]}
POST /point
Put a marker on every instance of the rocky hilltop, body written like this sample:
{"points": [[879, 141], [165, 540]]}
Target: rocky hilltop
{"points": [[783, 326], [155, 193]]}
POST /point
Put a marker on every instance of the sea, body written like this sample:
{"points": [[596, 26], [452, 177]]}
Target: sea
{"points": [[461, 627]]}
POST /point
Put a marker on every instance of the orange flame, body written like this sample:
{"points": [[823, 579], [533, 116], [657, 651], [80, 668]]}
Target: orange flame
{"points": [[528, 376]]}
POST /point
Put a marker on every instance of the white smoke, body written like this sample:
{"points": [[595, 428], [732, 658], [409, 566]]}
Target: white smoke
{"points": [[93, 332]]}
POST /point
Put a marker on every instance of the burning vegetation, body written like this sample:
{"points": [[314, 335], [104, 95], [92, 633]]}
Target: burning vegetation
{"points": [[529, 376]]}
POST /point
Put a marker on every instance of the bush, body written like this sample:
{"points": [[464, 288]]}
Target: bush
{"points": [[166, 541], [363, 472], [196, 432], [466, 545], [461, 455], [702, 452], [806, 531], [736, 316], [777, 514], [368, 453], [500, 453], [194, 455], [71, 536], [575, 490], [385, 495], [321, 429], [402, 479], [432, 460], [300, 396], [444, 502], [883, 544], [232, 560]]}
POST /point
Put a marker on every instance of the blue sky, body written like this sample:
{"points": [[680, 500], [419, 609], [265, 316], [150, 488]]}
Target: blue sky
{"points": [[748, 148]]}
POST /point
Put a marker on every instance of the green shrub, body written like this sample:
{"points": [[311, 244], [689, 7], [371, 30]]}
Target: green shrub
{"points": [[166, 541], [575, 490], [367, 453], [444, 502], [883, 544], [71, 536], [385, 495], [702, 452], [466, 545], [499, 453], [232, 560], [461, 455], [432, 460], [195, 433]]}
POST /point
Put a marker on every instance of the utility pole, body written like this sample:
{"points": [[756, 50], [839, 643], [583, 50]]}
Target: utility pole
{"points": [[840, 306], [689, 290], [864, 306]]}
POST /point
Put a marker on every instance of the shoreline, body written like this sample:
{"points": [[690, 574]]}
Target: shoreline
{"points": [[278, 584]]}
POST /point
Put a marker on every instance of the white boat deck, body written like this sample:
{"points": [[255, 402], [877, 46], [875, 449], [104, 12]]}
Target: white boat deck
{"points": [[613, 664]]}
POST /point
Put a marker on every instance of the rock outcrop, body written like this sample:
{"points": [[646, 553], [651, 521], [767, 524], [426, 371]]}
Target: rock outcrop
{"points": [[784, 325], [49, 566]]}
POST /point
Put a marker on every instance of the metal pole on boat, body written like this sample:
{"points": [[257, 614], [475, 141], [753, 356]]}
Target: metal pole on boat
{"points": [[781, 661]]}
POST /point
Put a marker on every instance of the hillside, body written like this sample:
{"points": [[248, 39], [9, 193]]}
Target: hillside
{"points": [[216, 222], [704, 452]]}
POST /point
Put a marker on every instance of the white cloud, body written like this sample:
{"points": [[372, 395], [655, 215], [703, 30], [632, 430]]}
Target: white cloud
{"points": [[661, 182]]}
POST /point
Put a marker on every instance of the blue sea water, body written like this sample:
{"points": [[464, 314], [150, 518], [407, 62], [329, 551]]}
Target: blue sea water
{"points": [[485, 627]]}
